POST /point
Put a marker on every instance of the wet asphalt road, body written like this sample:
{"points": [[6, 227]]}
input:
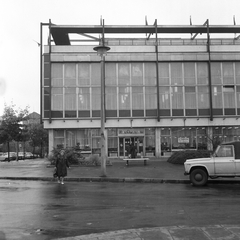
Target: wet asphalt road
{"points": [[47, 210]]}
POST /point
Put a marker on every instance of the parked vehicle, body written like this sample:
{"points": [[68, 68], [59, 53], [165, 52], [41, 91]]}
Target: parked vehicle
{"points": [[28, 155], [4, 156], [21, 156], [225, 162]]}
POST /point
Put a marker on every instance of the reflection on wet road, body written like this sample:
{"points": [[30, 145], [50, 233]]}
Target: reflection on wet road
{"points": [[47, 210]]}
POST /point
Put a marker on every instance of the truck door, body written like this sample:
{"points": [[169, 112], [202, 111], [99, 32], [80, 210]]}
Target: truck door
{"points": [[224, 160]]}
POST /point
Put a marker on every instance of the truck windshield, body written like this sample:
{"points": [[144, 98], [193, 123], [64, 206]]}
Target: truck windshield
{"points": [[224, 151]]}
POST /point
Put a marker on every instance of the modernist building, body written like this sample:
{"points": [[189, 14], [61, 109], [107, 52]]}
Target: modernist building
{"points": [[162, 94]]}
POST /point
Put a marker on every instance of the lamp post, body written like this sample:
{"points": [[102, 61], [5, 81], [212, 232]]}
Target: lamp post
{"points": [[102, 51]]}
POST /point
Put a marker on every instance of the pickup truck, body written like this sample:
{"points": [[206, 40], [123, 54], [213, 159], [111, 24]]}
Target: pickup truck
{"points": [[225, 162]]}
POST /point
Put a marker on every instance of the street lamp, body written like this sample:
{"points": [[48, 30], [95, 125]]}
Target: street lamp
{"points": [[102, 51]]}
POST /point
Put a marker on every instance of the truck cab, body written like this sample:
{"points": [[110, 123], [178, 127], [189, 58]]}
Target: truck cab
{"points": [[225, 162]]}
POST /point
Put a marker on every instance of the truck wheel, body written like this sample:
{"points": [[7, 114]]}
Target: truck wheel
{"points": [[198, 177]]}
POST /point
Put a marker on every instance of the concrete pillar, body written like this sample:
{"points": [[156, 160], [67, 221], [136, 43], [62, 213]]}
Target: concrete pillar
{"points": [[158, 142], [50, 141], [210, 138], [106, 142]]}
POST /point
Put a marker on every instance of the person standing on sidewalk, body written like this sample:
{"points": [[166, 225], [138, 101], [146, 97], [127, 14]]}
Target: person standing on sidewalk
{"points": [[61, 167]]}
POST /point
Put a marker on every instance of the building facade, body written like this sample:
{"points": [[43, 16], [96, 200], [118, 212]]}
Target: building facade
{"points": [[162, 94]]}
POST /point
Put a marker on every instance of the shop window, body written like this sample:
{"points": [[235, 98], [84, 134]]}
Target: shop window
{"points": [[112, 146], [70, 138], [58, 138], [183, 138], [84, 140]]}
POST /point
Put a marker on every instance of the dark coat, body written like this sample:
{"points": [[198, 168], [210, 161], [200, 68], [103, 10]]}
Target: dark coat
{"points": [[61, 165]]}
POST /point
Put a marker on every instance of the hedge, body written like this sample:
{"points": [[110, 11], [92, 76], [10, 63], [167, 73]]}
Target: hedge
{"points": [[181, 156]]}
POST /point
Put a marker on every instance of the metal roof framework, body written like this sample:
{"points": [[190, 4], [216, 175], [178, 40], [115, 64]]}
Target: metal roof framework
{"points": [[61, 33]]}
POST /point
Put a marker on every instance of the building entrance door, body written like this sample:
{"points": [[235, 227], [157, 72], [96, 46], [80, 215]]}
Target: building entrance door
{"points": [[125, 143]]}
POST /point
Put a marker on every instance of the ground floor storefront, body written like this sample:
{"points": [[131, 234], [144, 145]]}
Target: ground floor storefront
{"points": [[150, 142]]}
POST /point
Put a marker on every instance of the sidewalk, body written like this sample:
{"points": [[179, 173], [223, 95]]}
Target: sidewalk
{"points": [[156, 171]]}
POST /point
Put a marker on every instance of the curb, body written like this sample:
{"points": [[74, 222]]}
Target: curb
{"points": [[119, 180]]}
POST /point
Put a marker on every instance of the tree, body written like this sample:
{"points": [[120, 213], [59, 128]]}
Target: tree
{"points": [[11, 125], [38, 137]]}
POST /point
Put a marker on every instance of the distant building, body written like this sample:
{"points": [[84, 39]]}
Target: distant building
{"points": [[162, 94], [32, 118]]}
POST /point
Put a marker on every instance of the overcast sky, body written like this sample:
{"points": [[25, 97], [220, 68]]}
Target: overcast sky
{"points": [[20, 28]]}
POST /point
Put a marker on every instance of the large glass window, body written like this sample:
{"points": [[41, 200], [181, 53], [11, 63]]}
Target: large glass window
{"points": [[95, 74], [137, 98], [96, 98], [229, 96], [150, 74], [216, 73], [70, 99], [177, 97], [84, 98], [190, 98], [150, 141], [217, 96], [124, 98], [164, 98], [57, 75], [111, 98], [110, 74], [203, 97], [163, 71], [83, 74], [124, 74], [151, 98], [202, 73], [189, 74], [176, 74], [57, 99], [228, 73], [69, 74], [137, 73]]}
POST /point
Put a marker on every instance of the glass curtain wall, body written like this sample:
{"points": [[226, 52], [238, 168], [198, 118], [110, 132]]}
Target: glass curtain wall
{"points": [[131, 89]]}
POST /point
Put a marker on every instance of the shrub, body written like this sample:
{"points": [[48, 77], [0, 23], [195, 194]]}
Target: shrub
{"points": [[71, 155], [94, 160], [181, 156]]}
